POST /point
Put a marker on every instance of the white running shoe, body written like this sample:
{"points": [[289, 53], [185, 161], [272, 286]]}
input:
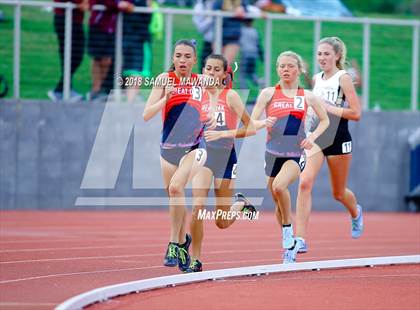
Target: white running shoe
{"points": [[289, 255], [303, 248], [357, 224], [288, 240]]}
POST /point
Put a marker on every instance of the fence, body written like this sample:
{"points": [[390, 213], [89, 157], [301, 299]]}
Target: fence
{"points": [[49, 161], [270, 28]]}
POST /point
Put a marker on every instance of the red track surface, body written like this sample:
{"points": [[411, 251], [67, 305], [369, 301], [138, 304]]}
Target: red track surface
{"points": [[47, 257]]}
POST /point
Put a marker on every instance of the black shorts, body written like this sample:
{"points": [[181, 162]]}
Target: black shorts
{"points": [[175, 154], [222, 162], [133, 49], [273, 164], [342, 144], [101, 44], [230, 40]]}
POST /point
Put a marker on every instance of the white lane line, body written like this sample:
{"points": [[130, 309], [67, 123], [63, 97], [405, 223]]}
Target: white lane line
{"points": [[269, 260], [78, 273], [213, 242], [41, 260], [104, 293], [140, 268]]}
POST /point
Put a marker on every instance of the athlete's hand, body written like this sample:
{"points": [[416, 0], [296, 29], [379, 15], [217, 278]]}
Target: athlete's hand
{"points": [[168, 92], [211, 122], [212, 135], [307, 143], [270, 121]]}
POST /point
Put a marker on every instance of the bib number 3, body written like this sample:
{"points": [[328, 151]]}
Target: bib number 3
{"points": [[196, 93], [201, 156]]}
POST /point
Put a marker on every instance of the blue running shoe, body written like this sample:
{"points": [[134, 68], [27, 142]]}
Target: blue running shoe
{"points": [[303, 248], [288, 240], [171, 256], [184, 259], [186, 244], [357, 224], [195, 266], [248, 208], [289, 255]]}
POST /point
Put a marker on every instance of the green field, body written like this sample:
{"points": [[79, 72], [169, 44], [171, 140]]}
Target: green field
{"points": [[390, 76]]}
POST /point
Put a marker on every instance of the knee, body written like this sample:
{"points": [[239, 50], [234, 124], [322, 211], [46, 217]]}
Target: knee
{"points": [[175, 189], [279, 188], [306, 184]]}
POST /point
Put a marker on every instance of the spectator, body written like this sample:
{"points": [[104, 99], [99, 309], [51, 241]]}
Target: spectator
{"points": [[135, 35], [231, 26], [101, 46], [77, 45], [204, 25], [251, 50]]}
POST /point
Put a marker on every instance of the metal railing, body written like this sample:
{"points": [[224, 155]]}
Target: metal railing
{"points": [[218, 15]]}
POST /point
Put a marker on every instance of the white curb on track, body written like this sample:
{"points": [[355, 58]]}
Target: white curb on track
{"points": [[107, 292]]}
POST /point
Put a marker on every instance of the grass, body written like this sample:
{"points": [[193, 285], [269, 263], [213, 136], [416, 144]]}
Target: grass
{"points": [[390, 64]]}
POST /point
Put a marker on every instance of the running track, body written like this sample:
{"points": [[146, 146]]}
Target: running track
{"points": [[49, 256]]}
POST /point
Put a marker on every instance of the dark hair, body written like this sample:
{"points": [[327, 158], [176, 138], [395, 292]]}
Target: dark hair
{"points": [[226, 68], [191, 43], [218, 57]]}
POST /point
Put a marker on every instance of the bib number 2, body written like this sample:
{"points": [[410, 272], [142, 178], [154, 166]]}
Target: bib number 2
{"points": [[299, 103]]}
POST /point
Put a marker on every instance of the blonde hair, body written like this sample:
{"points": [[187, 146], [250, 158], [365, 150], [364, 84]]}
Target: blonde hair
{"points": [[339, 48], [229, 5], [296, 56]]}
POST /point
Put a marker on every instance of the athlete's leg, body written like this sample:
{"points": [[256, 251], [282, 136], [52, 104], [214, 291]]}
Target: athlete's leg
{"points": [[276, 202], [176, 212], [314, 161], [223, 189], [201, 184], [339, 166], [287, 175], [189, 166]]}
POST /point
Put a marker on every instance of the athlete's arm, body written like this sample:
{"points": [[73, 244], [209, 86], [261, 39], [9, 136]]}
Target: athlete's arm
{"points": [[353, 112], [236, 105], [317, 105], [157, 98], [262, 101]]}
